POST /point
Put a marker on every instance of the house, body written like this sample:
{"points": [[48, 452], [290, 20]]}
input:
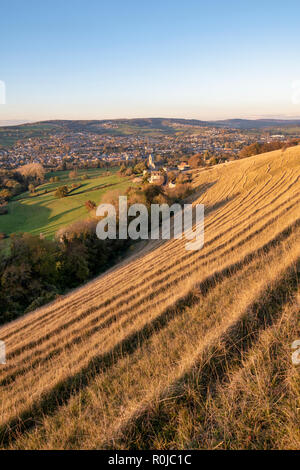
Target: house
{"points": [[183, 166], [156, 177]]}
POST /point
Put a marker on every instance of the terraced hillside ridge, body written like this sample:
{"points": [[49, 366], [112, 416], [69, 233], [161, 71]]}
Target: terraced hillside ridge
{"points": [[174, 348]]}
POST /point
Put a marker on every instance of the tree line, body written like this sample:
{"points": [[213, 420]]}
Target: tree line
{"points": [[264, 147]]}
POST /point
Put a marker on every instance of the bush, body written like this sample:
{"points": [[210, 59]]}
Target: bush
{"points": [[180, 192], [31, 188], [61, 192], [196, 160], [40, 301], [139, 168], [5, 194], [90, 205], [54, 179]]}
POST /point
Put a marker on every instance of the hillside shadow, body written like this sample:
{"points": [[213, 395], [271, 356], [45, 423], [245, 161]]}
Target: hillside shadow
{"points": [[72, 190], [96, 188], [21, 214], [34, 218], [60, 394], [213, 207], [206, 375], [153, 244], [200, 190], [62, 214]]}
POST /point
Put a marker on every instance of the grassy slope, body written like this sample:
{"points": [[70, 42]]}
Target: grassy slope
{"points": [[159, 351], [45, 213]]}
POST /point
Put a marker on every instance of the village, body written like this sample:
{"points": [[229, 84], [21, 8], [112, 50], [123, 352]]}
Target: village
{"points": [[64, 150]]}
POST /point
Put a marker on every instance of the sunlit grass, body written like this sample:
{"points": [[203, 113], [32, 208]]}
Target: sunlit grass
{"points": [[171, 349]]}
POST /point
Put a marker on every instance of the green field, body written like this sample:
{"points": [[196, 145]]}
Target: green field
{"points": [[44, 213]]}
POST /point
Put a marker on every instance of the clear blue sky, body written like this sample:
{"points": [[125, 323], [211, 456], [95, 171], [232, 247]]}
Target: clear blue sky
{"points": [[95, 59]]}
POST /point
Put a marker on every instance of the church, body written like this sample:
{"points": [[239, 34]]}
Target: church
{"points": [[151, 163]]}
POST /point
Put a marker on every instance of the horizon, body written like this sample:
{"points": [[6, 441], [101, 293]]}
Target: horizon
{"points": [[14, 123], [106, 61]]}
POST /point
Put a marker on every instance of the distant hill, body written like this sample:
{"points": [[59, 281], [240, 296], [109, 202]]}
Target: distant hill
{"points": [[257, 123], [165, 123], [151, 127], [134, 125]]}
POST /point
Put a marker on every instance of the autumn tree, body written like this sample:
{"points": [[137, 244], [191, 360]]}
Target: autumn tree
{"points": [[5, 194], [195, 160], [33, 171], [31, 188], [61, 192]]}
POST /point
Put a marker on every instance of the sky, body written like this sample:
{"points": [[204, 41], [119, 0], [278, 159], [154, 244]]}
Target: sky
{"points": [[95, 59]]}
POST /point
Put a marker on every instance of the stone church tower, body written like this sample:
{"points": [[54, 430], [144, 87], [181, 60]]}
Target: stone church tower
{"points": [[151, 163]]}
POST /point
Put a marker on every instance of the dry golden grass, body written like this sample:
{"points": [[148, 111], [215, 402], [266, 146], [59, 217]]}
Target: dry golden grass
{"points": [[170, 330]]}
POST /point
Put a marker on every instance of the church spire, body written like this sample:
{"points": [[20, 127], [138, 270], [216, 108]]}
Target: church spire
{"points": [[151, 163]]}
